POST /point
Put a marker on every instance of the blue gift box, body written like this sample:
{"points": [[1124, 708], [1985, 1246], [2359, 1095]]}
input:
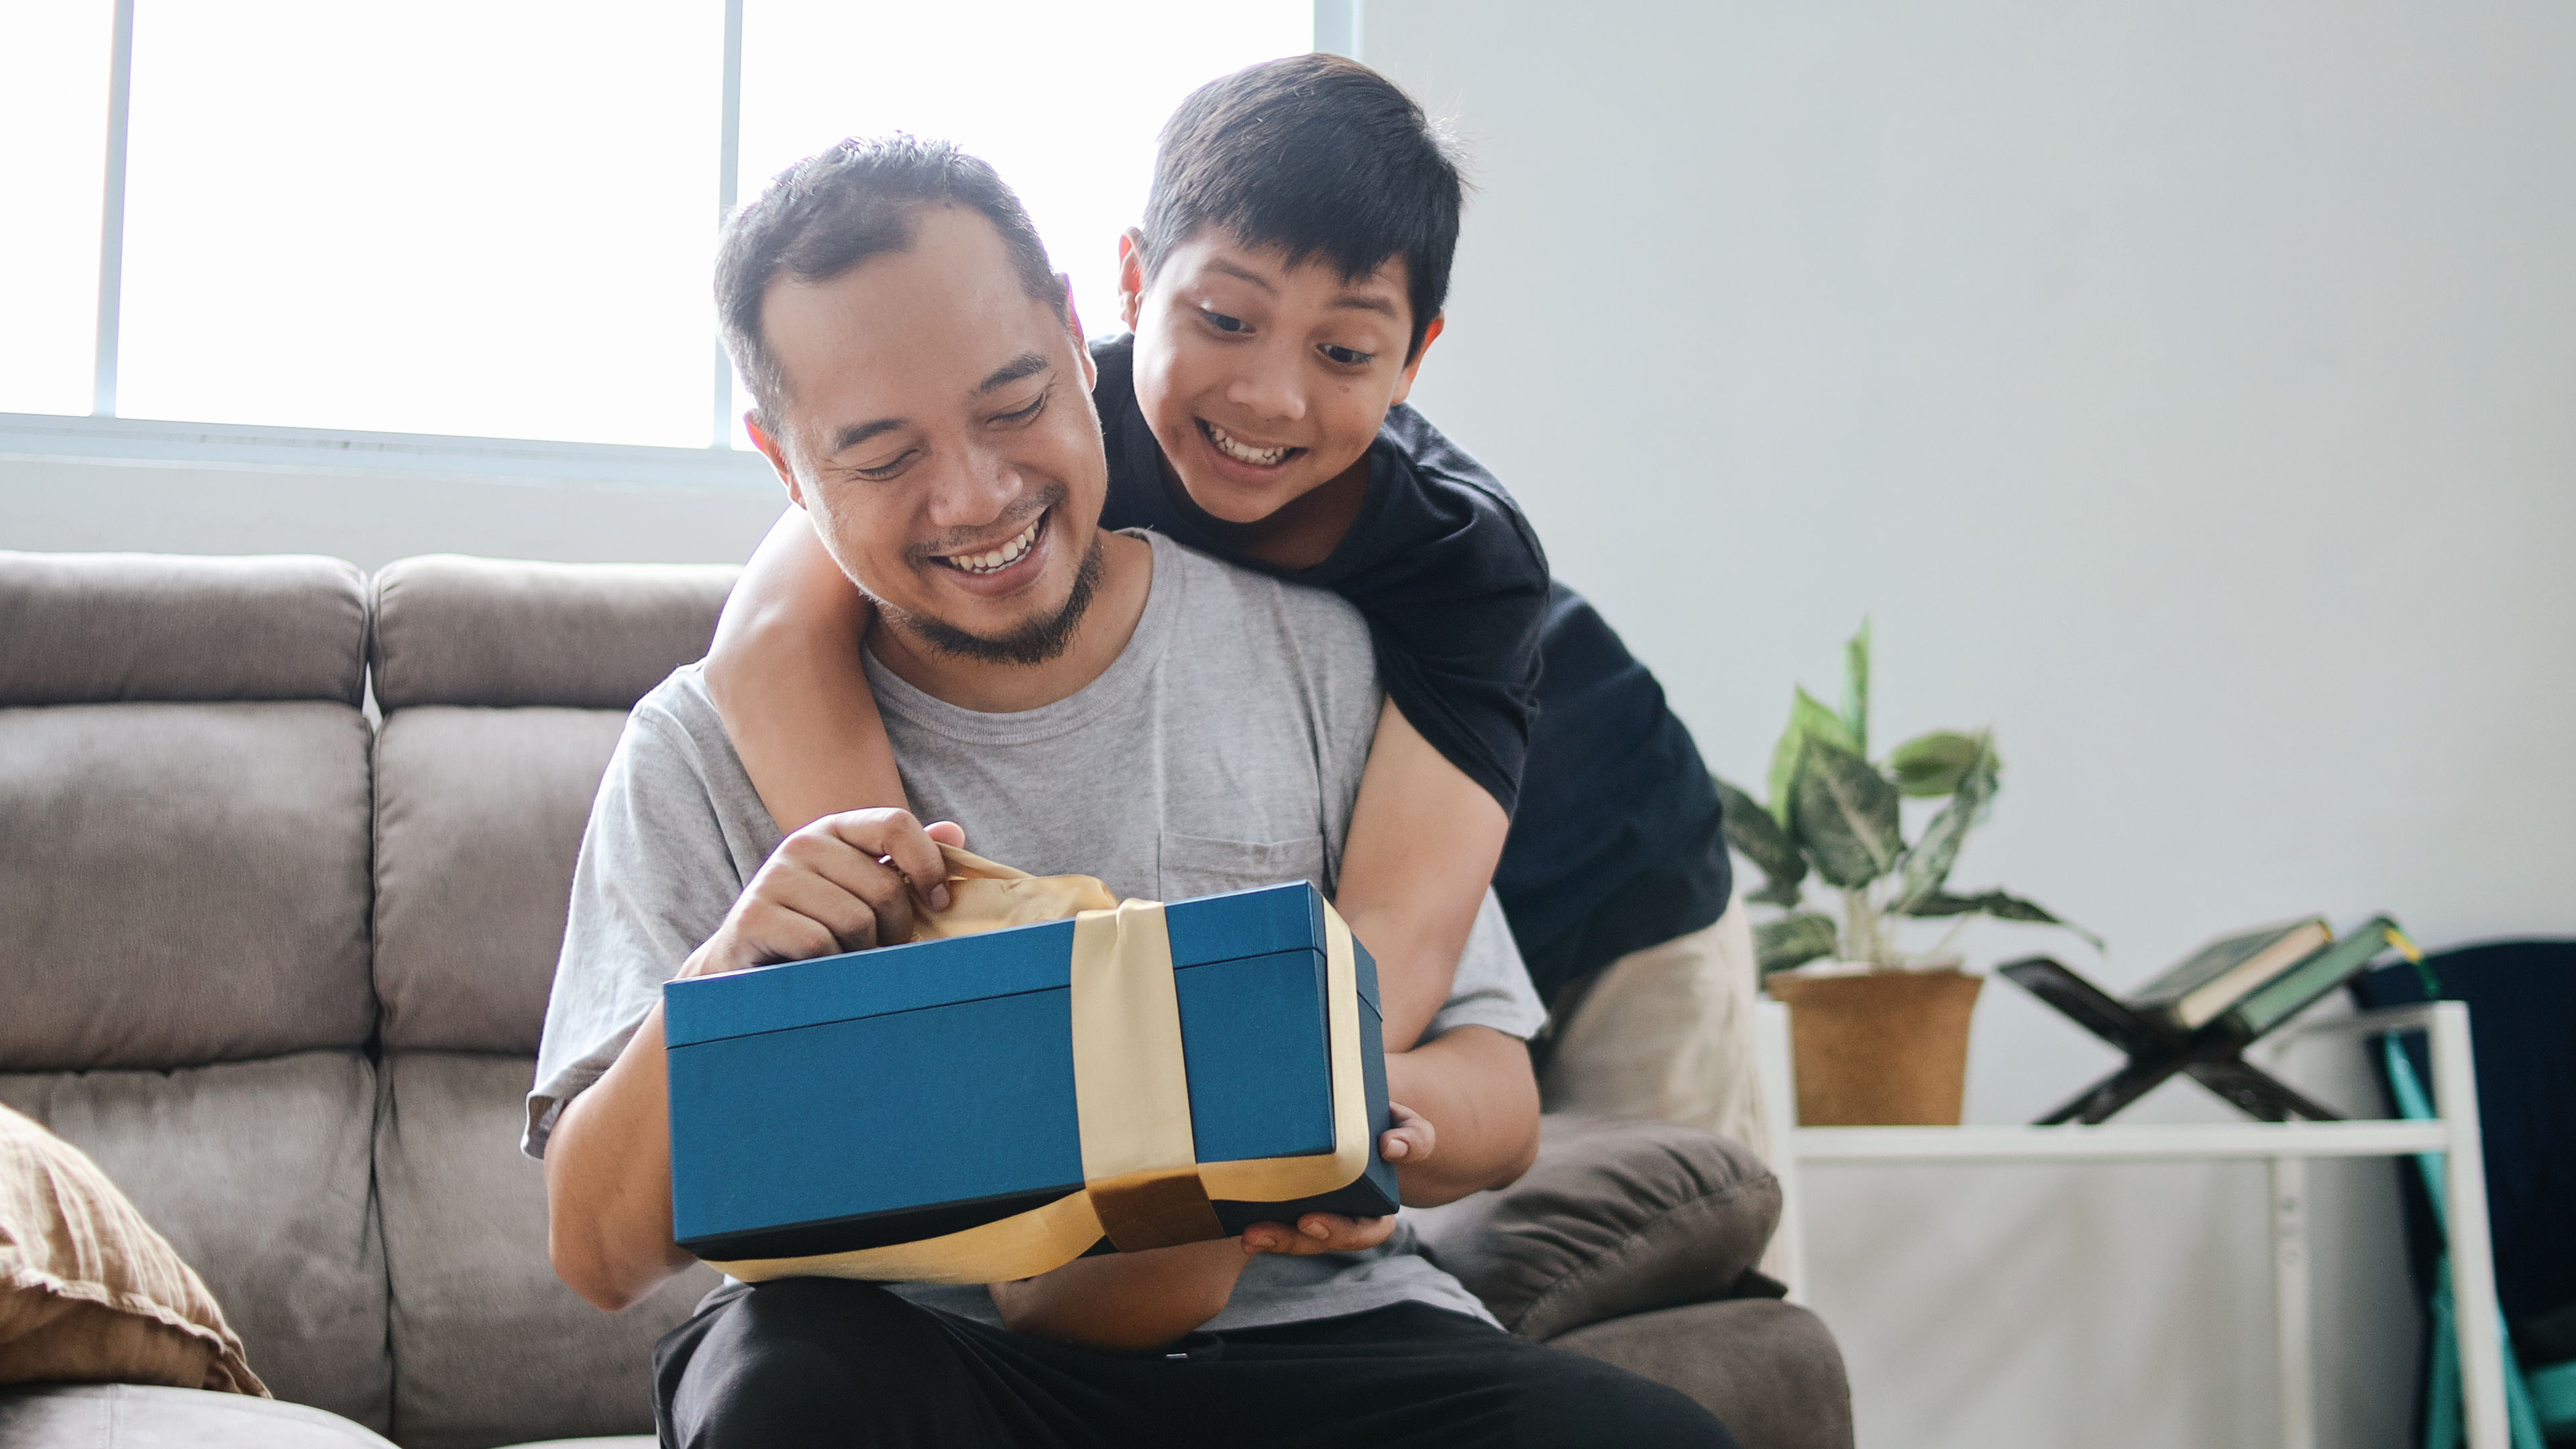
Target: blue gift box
{"points": [[895, 1095]]}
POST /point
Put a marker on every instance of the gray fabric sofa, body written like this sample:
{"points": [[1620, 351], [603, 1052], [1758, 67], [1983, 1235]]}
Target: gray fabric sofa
{"points": [[284, 852]]}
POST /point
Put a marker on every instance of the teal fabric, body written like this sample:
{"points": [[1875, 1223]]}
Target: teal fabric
{"points": [[2442, 1403]]}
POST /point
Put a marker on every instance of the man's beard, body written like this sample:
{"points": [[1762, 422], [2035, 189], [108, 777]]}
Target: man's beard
{"points": [[1034, 642]]}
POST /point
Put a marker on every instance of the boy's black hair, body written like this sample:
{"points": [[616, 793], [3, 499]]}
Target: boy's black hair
{"points": [[1319, 155], [830, 212]]}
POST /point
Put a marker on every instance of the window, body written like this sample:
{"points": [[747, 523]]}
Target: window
{"points": [[53, 105], [496, 218]]}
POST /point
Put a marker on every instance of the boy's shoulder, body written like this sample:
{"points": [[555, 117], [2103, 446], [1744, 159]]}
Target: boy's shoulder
{"points": [[1440, 462], [1433, 509]]}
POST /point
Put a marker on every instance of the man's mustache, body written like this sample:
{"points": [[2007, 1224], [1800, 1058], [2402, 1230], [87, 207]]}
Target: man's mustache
{"points": [[1011, 526]]}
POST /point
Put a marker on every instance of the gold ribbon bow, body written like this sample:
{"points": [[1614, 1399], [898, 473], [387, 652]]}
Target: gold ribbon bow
{"points": [[1143, 1185]]}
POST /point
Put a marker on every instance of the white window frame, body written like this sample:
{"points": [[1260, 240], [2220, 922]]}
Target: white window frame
{"points": [[105, 436]]}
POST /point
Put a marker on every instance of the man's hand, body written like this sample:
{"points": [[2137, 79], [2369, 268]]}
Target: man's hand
{"points": [[847, 882], [1409, 1141]]}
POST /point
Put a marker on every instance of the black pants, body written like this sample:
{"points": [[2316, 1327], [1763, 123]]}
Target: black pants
{"points": [[821, 1362]]}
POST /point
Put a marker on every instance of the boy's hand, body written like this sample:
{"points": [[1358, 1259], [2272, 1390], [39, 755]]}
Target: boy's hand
{"points": [[1410, 1140], [847, 882]]}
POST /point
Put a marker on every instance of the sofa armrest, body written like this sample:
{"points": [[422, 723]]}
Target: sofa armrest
{"points": [[1619, 1216]]}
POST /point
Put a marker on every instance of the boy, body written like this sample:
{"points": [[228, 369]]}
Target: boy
{"points": [[1281, 294]]}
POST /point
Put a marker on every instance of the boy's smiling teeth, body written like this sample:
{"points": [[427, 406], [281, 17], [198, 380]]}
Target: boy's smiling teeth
{"points": [[1000, 558], [1259, 457]]}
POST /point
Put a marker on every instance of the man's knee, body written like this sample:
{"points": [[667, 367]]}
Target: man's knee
{"points": [[1565, 1398], [812, 1361]]}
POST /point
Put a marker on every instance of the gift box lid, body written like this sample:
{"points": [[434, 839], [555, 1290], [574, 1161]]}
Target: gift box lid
{"points": [[1205, 930]]}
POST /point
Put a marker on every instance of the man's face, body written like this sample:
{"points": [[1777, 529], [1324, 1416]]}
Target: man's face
{"points": [[938, 428], [1263, 381]]}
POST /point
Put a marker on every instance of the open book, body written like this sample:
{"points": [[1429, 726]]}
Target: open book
{"points": [[2217, 976]]}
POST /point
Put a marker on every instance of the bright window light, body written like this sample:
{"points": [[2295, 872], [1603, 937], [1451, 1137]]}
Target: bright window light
{"points": [[497, 218], [53, 116], [1064, 99], [485, 216]]}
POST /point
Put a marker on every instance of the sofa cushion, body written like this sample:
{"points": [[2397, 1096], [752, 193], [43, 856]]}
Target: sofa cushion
{"points": [[129, 1416], [1665, 1032], [479, 815], [489, 1346], [1619, 1216], [1768, 1370], [455, 630], [182, 883], [99, 628], [88, 1292], [259, 1174]]}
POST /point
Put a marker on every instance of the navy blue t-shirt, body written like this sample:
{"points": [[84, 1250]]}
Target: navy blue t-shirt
{"points": [[1614, 842]]}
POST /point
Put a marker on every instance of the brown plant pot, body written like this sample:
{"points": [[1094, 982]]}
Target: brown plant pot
{"points": [[1881, 1049]]}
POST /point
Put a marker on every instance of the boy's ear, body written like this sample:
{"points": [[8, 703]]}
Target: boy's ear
{"points": [[1430, 334], [1131, 275], [769, 449]]}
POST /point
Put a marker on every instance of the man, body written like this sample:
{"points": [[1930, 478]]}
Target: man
{"points": [[1087, 702]]}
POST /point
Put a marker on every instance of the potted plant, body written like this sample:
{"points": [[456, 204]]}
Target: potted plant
{"points": [[1880, 1032]]}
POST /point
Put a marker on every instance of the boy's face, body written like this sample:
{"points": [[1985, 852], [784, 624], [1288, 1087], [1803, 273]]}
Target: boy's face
{"points": [[1264, 381], [938, 428]]}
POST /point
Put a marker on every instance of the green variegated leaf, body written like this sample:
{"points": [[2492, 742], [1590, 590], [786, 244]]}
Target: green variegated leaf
{"points": [[1856, 689], [1844, 812], [1759, 838], [2000, 905], [1808, 720], [1927, 865], [1784, 769], [1794, 941], [1932, 764], [1807, 713]]}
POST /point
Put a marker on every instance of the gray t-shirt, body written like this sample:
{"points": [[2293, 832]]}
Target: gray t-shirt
{"points": [[1223, 748]]}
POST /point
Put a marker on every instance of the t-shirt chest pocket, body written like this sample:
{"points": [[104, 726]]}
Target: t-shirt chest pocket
{"points": [[1197, 865]]}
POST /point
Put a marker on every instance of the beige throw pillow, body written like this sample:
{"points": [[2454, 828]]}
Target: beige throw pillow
{"points": [[88, 1291], [1667, 1033]]}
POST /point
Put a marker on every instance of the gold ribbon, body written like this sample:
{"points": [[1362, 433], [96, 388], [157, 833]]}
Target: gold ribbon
{"points": [[1143, 1185]]}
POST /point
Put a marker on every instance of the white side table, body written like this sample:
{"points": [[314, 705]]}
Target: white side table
{"points": [[2287, 1146]]}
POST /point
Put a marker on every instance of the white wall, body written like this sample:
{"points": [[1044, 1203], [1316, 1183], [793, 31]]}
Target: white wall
{"points": [[2186, 389]]}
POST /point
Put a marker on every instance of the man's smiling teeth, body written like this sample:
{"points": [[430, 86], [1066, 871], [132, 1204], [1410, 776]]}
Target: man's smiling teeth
{"points": [[1225, 443], [1000, 558]]}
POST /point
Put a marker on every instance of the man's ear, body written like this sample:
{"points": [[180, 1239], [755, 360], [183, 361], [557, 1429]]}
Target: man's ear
{"points": [[1131, 275], [769, 449], [1073, 324], [1430, 334]]}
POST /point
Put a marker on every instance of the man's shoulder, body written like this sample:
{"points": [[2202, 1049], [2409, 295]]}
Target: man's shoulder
{"points": [[675, 740], [678, 712], [1219, 594]]}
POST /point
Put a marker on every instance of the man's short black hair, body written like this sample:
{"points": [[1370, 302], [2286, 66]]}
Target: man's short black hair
{"points": [[1318, 155], [830, 212]]}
